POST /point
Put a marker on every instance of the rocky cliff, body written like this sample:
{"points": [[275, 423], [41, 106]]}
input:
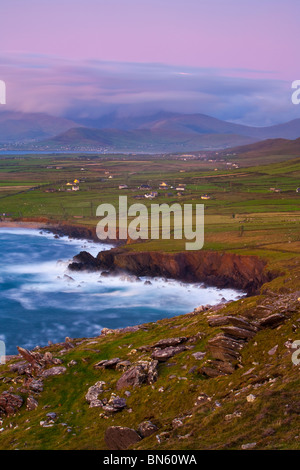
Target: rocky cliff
{"points": [[246, 273]]}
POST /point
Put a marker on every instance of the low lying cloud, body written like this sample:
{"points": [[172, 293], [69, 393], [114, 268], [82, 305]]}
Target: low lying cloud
{"points": [[91, 89]]}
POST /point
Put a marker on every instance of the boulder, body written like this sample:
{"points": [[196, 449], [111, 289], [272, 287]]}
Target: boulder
{"points": [[142, 372], [53, 371], [120, 438], [163, 355], [32, 358], [237, 332], [21, 367], [93, 393], [146, 428], [115, 404], [36, 386], [272, 321], [107, 363], [198, 355], [165, 343], [31, 404]]}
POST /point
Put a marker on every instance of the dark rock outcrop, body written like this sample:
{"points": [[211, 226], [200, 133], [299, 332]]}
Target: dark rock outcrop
{"points": [[140, 373], [120, 438], [247, 273], [10, 403], [147, 428], [164, 354], [53, 371], [107, 363]]}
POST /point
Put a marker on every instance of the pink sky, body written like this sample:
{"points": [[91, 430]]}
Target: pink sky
{"points": [[250, 34], [65, 56]]}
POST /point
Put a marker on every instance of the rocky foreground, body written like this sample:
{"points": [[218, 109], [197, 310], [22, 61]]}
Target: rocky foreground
{"points": [[218, 377]]}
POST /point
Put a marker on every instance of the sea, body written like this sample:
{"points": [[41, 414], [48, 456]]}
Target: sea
{"points": [[42, 301]]}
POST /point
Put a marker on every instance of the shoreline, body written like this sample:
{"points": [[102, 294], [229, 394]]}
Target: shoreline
{"points": [[73, 231], [213, 268]]}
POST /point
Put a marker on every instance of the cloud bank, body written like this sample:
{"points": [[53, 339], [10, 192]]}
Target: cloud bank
{"points": [[92, 88]]}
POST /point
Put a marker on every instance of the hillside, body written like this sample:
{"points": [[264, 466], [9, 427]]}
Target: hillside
{"points": [[264, 152], [216, 378], [146, 140], [269, 147]]}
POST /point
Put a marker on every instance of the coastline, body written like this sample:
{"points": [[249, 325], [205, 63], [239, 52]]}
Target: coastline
{"points": [[214, 268], [59, 228]]}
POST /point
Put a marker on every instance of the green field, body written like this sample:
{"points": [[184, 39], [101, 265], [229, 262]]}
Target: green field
{"points": [[240, 197], [226, 419]]}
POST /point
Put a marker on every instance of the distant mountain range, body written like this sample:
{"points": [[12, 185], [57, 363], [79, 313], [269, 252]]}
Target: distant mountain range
{"points": [[162, 132], [23, 127]]}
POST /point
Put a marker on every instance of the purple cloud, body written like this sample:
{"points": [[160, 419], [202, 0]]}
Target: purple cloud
{"points": [[92, 88]]}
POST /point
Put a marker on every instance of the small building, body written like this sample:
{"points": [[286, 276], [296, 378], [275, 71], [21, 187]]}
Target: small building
{"points": [[76, 181], [75, 188], [151, 195], [180, 188], [205, 196], [298, 190], [123, 186], [275, 190], [145, 187], [163, 185]]}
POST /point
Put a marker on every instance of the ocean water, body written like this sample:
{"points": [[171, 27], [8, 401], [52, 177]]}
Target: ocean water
{"points": [[42, 301]]}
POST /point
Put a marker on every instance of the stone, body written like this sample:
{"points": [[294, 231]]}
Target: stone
{"points": [[72, 363], [238, 321], [31, 404], [142, 372], [10, 403], [53, 371], [198, 355], [93, 393], [177, 423], [123, 365], [20, 367], [51, 415], [225, 348], [238, 332], [107, 363], [117, 403], [273, 350], [30, 357], [202, 398], [36, 386], [163, 355], [146, 428], [120, 438], [251, 398], [235, 414], [272, 321], [165, 343], [249, 446]]}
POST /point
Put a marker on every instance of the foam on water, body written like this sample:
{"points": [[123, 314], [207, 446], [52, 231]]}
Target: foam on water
{"points": [[42, 301]]}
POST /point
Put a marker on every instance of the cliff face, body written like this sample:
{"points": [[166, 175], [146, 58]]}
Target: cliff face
{"points": [[246, 273]]}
